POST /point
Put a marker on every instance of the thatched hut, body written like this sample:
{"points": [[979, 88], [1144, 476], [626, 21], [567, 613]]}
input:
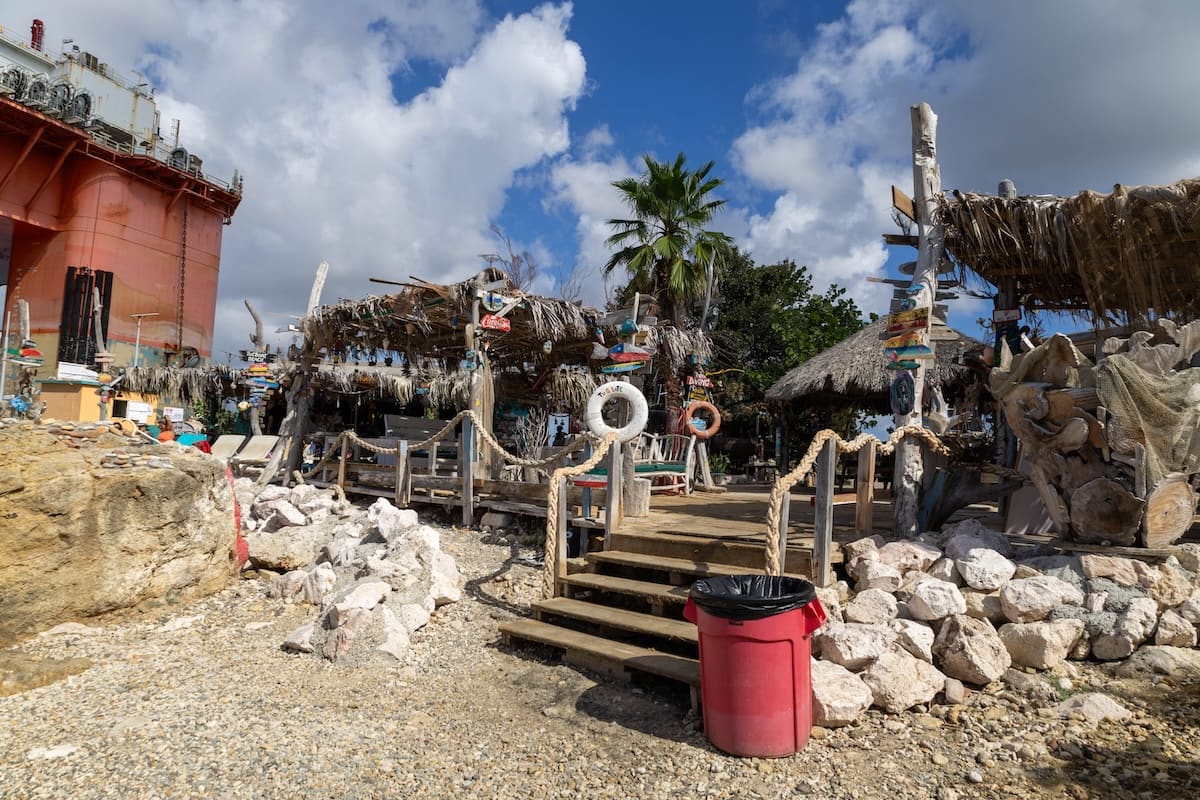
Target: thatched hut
{"points": [[1124, 255], [854, 373]]}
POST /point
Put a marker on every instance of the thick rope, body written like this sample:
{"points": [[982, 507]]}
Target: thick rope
{"points": [[785, 483], [552, 509]]}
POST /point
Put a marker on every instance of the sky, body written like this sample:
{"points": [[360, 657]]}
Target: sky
{"points": [[388, 137]]}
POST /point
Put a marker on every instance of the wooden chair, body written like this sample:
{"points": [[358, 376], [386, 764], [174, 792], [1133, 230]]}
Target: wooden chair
{"points": [[227, 445], [672, 461]]}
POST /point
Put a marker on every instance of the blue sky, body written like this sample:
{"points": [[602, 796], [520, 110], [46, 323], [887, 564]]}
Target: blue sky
{"points": [[387, 136]]}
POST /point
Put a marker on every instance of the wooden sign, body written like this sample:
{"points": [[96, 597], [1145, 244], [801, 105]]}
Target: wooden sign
{"points": [[903, 203], [1006, 315], [906, 364], [912, 351], [905, 339], [915, 319], [495, 323]]}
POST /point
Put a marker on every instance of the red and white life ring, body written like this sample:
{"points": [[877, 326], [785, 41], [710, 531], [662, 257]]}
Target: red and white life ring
{"points": [[711, 428], [639, 412]]}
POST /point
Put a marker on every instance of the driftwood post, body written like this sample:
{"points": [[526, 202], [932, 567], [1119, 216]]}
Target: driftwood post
{"points": [[466, 455], [295, 423], [927, 185], [826, 474], [260, 346], [864, 488]]}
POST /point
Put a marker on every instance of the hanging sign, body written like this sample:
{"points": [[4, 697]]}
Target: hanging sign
{"points": [[494, 301], [1006, 315], [911, 351], [903, 364], [494, 323], [916, 319], [902, 394], [905, 339]]}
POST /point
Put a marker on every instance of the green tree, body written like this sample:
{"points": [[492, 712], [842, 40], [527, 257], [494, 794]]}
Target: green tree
{"points": [[665, 247]]}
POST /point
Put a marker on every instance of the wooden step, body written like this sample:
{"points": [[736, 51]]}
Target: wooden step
{"points": [[680, 567], [620, 618], [604, 655], [748, 553], [652, 592]]}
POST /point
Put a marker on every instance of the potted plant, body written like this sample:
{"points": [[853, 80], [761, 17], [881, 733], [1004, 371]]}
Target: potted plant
{"points": [[718, 465]]}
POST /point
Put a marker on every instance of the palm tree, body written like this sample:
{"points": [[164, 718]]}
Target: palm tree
{"points": [[665, 247]]}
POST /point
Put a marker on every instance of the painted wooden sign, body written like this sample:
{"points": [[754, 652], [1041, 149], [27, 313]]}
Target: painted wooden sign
{"points": [[628, 366], [1006, 315], [905, 364], [905, 339], [903, 394], [913, 320], [494, 323], [912, 351]]}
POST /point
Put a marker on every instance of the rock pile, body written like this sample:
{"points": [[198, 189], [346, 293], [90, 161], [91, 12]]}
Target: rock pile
{"points": [[929, 616], [374, 577]]}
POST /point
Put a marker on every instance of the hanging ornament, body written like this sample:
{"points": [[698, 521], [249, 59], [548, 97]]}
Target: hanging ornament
{"points": [[628, 327], [547, 346], [244, 405]]}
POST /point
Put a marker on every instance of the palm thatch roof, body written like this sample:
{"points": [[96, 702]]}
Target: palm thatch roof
{"points": [[854, 370], [1134, 253]]}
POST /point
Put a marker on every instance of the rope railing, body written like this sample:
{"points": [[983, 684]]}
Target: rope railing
{"points": [[782, 486], [552, 509]]}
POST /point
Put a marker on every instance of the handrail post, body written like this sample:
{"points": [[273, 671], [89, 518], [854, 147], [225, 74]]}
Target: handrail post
{"points": [[612, 498], [586, 501], [785, 513], [401, 495], [466, 458], [864, 488], [823, 515], [342, 462]]}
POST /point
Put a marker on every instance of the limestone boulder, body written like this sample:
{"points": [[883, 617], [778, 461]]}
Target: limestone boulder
{"points": [[854, 645], [1031, 599], [934, 600], [985, 569], [915, 637], [867, 549], [944, 570], [871, 606], [971, 535], [839, 696], [83, 539], [871, 574], [1172, 587], [898, 681], [1178, 662], [1175, 631], [970, 649], [983, 605], [1041, 645], [907, 555], [1122, 571], [1094, 706], [1133, 627]]}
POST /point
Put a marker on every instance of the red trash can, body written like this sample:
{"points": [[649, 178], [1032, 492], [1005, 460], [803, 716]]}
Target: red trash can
{"points": [[755, 649]]}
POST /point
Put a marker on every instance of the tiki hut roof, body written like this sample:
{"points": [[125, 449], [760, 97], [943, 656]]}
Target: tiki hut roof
{"points": [[1133, 253], [854, 370]]}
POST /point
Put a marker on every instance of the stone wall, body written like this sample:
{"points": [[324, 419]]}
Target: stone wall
{"points": [[92, 522]]}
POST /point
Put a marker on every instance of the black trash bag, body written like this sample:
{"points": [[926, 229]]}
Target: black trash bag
{"points": [[745, 597]]}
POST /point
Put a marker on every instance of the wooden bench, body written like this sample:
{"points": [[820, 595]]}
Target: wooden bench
{"points": [[667, 459]]}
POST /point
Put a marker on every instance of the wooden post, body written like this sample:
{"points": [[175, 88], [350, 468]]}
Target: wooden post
{"points": [[705, 473], [612, 495], [586, 501], [466, 457], [864, 501], [403, 475], [432, 467], [822, 572], [342, 462], [560, 540], [927, 185]]}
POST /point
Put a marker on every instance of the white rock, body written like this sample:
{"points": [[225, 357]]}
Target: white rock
{"points": [[983, 605], [396, 642], [1041, 645], [839, 696], [1189, 557], [364, 596], [1190, 608], [1133, 627], [985, 569], [71, 629], [854, 645], [1171, 588], [944, 570], [1123, 571], [414, 616], [288, 584], [905, 555], [318, 585], [339, 553], [446, 586], [1094, 601], [1180, 662], [293, 548], [389, 521], [830, 599], [876, 575], [303, 492], [970, 534], [283, 515], [954, 692], [915, 637], [300, 640], [935, 599], [970, 649], [249, 524], [870, 606], [909, 583], [1094, 706], [1174, 630], [853, 553], [899, 681], [1031, 599], [47, 753]]}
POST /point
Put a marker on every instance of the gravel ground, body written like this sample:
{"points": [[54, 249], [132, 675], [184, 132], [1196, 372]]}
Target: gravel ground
{"points": [[199, 701]]}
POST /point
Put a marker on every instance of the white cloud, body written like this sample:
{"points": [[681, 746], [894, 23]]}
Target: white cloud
{"points": [[300, 100]]}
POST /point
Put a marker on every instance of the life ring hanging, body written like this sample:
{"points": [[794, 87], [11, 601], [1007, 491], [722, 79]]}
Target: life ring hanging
{"points": [[711, 428], [639, 413]]}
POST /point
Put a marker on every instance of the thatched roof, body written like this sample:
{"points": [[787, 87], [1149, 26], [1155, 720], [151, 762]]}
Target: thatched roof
{"points": [[854, 370], [1133, 253]]}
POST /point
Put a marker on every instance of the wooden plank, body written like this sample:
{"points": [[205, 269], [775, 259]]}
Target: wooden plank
{"points": [[612, 497], [341, 478], [466, 454], [864, 484], [678, 668], [826, 474], [682, 566], [903, 203], [900, 239], [651, 591], [618, 618], [400, 500]]}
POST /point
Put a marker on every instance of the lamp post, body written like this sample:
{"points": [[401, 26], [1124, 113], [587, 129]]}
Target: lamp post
{"points": [[137, 341]]}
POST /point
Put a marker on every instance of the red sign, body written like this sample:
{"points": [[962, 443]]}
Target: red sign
{"points": [[494, 323]]}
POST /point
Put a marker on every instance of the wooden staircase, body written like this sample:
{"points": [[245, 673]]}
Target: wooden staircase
{"points": [[620, 611]]}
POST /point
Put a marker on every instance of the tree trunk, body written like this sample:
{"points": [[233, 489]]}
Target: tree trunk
{"points": [[927, 185], [1170, 509], [1104, 511]]}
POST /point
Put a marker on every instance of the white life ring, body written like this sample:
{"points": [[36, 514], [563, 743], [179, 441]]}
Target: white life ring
{"points": [[639, 412]]}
